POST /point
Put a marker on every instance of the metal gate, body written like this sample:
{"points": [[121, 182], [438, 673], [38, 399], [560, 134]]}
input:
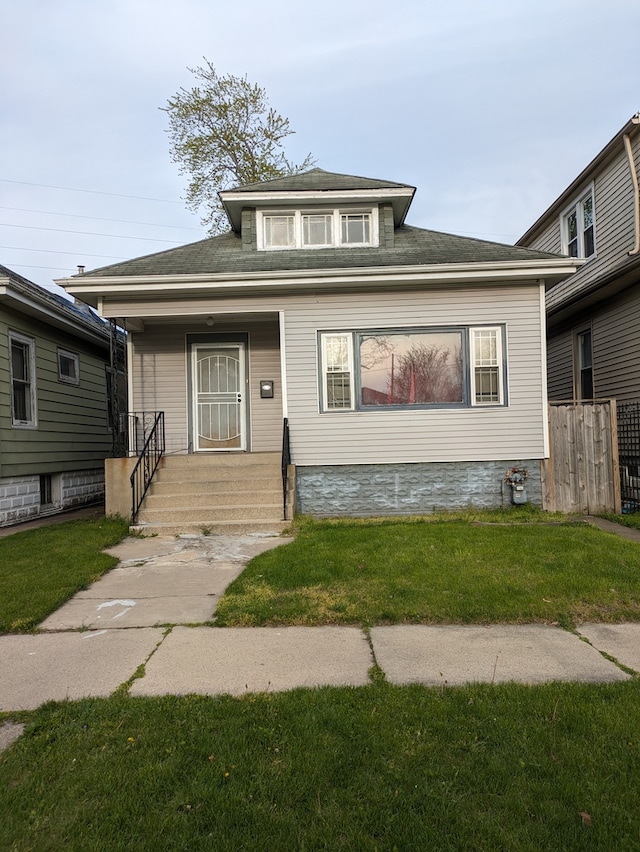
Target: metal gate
{"points": [[629, 455]]}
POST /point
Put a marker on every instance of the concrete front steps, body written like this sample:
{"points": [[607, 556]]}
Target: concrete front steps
{"points": [[216, 493]]}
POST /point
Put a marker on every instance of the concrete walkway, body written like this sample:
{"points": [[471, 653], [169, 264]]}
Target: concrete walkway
{"points": [[147, 624]]}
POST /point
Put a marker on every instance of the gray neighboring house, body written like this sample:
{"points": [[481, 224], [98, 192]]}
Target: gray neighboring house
{"points": [[408, 364], [54, 434], [593, 317]]}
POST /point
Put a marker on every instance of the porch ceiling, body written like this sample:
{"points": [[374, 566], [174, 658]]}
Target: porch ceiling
{"points": [[202, 320]]}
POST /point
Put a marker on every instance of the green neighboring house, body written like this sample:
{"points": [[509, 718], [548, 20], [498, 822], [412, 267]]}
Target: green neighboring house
{"points": [[54, 430]]}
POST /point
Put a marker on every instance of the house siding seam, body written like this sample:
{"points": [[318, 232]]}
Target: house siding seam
{"points": [[370, 490]]}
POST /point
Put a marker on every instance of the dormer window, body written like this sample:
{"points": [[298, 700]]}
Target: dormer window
{"points": [[298, 229]]}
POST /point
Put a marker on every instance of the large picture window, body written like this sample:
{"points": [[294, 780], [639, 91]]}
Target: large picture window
{"points": [[406, 368], [411, 368], [23, 400]]}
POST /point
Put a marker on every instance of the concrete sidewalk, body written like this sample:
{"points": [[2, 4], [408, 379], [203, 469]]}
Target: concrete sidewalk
{"points": [[155, 611]]}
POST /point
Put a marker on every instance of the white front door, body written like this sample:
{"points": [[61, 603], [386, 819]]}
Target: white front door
{"points": [[219, 415]]}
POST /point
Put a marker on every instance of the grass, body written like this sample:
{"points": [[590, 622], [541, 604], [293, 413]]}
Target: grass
{"points": [[631, 520], [439, 570], [40, 569], [375, 768], [481, 767]]}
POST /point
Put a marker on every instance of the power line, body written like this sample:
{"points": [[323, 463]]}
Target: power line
{"points": [[91, 233], [56, 251], [90, 191], [33, 266], [101, 219]]}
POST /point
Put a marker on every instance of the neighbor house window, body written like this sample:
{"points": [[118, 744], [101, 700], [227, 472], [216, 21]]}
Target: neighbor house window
{"points": [[406, 368], [578, 224], [317, 229], [23, 401], [68, 367], [584, 377]]}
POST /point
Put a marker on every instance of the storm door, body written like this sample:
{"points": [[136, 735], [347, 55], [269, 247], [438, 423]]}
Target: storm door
{"points": [[219, 415]]}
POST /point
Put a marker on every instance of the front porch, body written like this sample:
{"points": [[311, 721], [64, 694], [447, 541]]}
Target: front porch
{"points": [[227, 493]]}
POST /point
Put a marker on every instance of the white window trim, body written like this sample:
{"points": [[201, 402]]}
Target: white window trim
{"points": [[576, 206], [32, 423], [499, 364], [336, 213], [348, 336], [468, 341], [72, 356]]}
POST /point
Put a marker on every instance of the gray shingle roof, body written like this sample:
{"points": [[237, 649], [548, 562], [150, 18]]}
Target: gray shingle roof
{"points": [[413, 246], [78, 312], [318, 179]]}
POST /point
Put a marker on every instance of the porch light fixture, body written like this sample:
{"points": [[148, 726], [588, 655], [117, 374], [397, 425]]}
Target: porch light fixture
{"points": [[210, 321]]}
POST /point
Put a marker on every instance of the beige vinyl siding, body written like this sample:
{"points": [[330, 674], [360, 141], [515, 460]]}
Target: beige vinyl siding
{"points": [[614, 232], [470, 434], [560, 366], [160, 378], [71, 432]]}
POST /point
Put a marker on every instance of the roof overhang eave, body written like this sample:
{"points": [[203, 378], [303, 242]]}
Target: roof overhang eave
{"points": [[30, 306], [92, 289], [399, 197]]}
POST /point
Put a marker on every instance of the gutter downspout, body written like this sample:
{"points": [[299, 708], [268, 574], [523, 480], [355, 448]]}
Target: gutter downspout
{"points": [[636, 189]]}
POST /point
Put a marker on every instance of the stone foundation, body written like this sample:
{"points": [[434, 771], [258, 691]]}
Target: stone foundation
{"points": [[410, 489], [20, 495]]}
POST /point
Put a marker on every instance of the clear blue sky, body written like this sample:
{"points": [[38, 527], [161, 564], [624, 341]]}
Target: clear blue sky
{"points": [[489, 107]]}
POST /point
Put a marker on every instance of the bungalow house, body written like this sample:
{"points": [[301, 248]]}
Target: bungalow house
{"points": [[54, 429], [394, 370]]}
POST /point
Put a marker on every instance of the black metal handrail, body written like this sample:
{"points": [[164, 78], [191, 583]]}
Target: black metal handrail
{"points": [[147, 464], [286, 461]]}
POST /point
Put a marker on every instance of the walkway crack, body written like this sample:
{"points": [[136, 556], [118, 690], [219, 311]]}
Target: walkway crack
{"points": [[140, 672]]}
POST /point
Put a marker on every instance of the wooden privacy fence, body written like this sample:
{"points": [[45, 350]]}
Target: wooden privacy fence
{"points": [[581, 475]]}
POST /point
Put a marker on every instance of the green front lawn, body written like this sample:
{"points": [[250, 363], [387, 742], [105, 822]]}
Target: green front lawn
{"points": [[439, 570], [482, 767], [42, 568]]}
